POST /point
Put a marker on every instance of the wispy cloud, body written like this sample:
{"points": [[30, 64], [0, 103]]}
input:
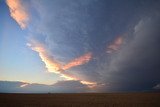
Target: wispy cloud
{"points": [[18, 12], [115, 45], [24, 85]]}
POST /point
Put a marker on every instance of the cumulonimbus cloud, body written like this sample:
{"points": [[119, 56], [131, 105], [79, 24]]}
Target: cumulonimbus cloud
{"points": [[18, 12], [136, 65]]}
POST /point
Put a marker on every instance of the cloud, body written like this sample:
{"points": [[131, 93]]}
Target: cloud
{"points": [[62, 30], [115, 45], [18, 12], [78, 61], [51, 64], [24, 85], [18, 87], [157, 86], [54, 66], [74, 35], [136, 65], [58, 87], [71, 86]]}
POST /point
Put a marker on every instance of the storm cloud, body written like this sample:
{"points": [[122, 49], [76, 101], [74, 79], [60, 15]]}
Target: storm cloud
{"points": [[136, 66], [114, 44], [90, 26]]}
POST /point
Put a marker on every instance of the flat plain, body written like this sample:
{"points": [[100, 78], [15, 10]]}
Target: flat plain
{"points": [[81, 100]]}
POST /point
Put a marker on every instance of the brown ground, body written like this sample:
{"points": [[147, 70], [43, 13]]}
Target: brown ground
{"points": [[81, 100]]}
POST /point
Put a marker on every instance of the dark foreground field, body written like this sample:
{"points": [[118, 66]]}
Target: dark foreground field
{"points": [[81, 100]]}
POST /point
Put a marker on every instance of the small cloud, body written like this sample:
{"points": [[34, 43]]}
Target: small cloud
{"points": [[157, 86], [115, 45], [24, 85]]}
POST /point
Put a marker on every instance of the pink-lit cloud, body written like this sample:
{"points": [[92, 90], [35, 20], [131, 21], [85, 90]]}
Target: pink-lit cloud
{"points": [[78, 61], [54, 66], [115, 45], [18, 12]]}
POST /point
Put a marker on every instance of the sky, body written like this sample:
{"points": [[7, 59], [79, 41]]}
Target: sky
{"points": [[79, 46]]}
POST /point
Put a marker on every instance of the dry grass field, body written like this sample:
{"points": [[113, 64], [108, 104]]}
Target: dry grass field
{"points": [[81, 100]]}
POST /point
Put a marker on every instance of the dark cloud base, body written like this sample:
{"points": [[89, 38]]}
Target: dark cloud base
{"points": [[136, 66]]}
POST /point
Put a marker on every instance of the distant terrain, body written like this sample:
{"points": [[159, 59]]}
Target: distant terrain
{"points": [[81, 100]]}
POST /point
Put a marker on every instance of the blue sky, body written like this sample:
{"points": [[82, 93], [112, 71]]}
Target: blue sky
{"points": [[103, 45], [18, 62]]}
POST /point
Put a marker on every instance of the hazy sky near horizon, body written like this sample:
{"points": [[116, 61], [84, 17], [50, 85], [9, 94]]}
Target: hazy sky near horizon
{"points": [[94, 45]]}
